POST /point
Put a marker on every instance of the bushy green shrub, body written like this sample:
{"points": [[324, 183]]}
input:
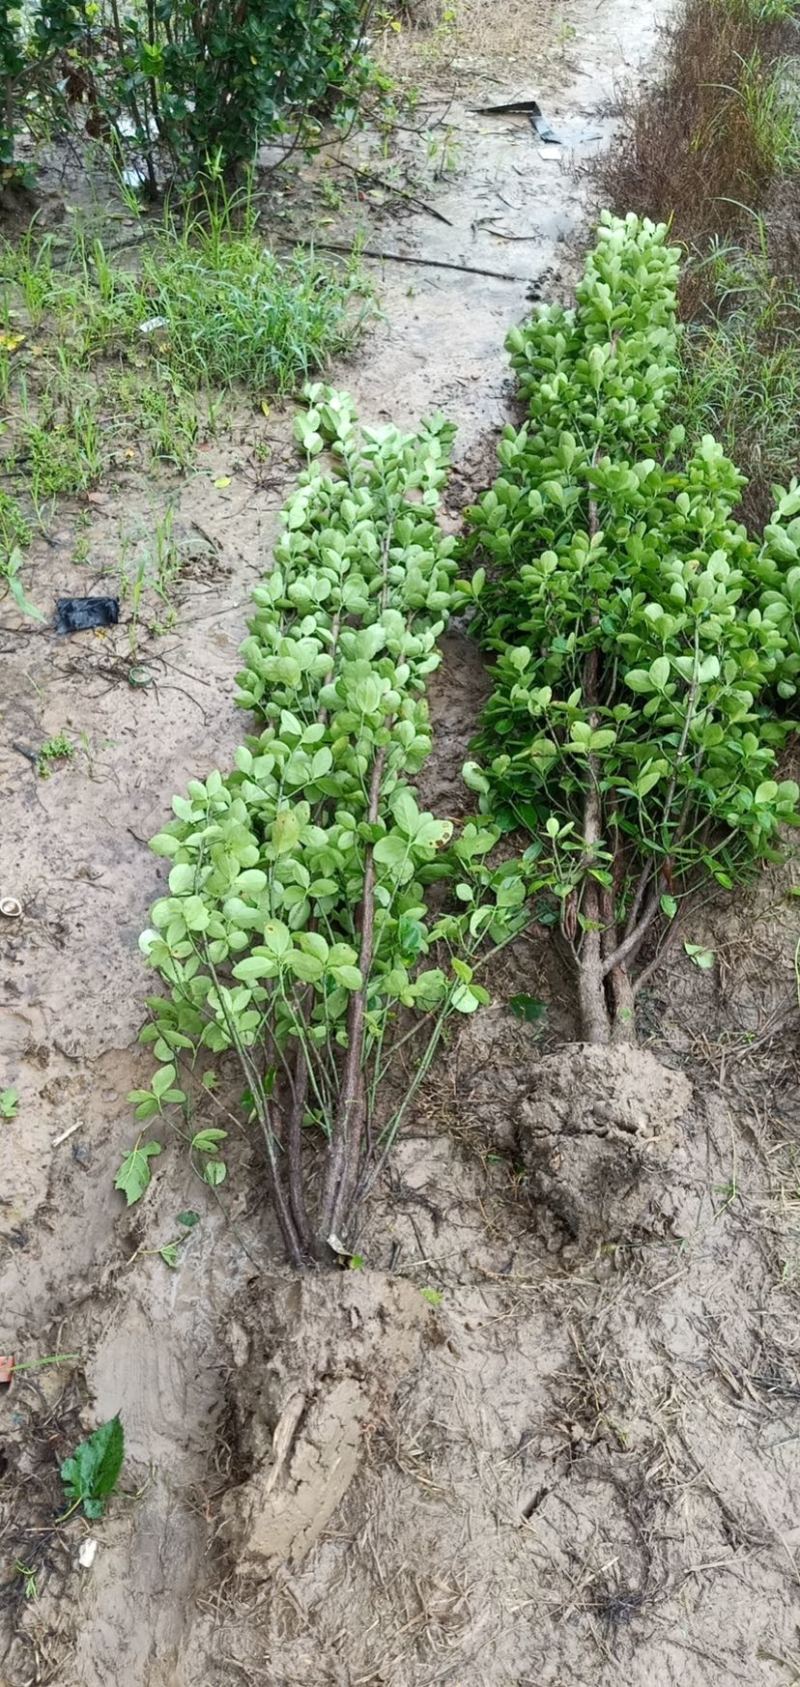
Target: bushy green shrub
{"points": [[640, 636], [180, 82], [301, 919]]}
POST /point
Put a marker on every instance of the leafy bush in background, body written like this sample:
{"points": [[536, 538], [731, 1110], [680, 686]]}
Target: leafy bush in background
{"points": [[175, 83]]}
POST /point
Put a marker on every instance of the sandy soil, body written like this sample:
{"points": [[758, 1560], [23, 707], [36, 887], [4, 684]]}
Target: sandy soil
{"points": [[580, 1467]]}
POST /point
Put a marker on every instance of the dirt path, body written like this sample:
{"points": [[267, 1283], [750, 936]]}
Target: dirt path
{"points": [[581, 1466]]}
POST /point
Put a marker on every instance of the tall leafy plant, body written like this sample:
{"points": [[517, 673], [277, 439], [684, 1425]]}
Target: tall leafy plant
{"points": [[181, 86], [638, 643], [312, 906]]}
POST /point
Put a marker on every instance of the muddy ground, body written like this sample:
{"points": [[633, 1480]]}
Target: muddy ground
{"points": [[580, 1465]]}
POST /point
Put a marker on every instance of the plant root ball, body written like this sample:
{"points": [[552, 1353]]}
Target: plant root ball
{"points": [[595, 1130]]}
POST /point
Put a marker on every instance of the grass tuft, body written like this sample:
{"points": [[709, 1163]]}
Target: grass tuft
{"points": [[742, 372]]}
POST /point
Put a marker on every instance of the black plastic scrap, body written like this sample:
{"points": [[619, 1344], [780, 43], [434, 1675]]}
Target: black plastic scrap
{"points": [[80, 614], [523, 108]]}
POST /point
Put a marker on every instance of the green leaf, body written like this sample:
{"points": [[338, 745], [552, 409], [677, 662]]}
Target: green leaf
{"points": [[277, 937], [527, 1008], [669, 906], [207, 1141], [708, 670], [285, 832], [188, 1219], [434, 1297], [215, 1172], [170, 1253], [349, 977], [465, 999], [703, 958], [251, 882], [475, 778], [650, 776], [133, 1176], [91, 1474], [163, 1080], [11, 574], [182, 879], [9, 1104], [254, 967], [405, 811], [391, 851], [639, 680], [305, 967]]}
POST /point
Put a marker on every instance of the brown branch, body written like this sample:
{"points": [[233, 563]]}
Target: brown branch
{"points": [[294, 1150], [398, 192], [654, 964], [595, 1017], [346, 1135], [629, 945], [638, 896], [403, 258]]}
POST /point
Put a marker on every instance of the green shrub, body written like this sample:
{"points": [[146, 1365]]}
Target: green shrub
{"points": [[640, 635], [300, 920], [180, 82]]}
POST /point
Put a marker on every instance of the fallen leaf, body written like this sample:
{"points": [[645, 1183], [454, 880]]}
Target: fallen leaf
{"points": [[527, 1008], [703, 958], [222, 481], [134, 1173], [97, 497], [87, 1552], [7, 1362], [91, 1474]]}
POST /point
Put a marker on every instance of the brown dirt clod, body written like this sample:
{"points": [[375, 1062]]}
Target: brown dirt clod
{"points": [[595, 1129], [314, 1362]]}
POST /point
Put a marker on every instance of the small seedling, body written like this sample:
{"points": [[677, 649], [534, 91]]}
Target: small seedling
{"points": [[162, 1093], [729, 1192], [434, 1297], [134, 1174], [28, 1574], [10, 572], [57, 748], [9, 1104], [91, 1475], [214, 1171]]}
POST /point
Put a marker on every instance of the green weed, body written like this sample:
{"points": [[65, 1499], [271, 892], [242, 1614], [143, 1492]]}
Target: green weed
{"points": [[11, 575], [770, 113], [29, 1574], [236, 315], [15, 529], [741, 365], [55, 749], [150, 353]]}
